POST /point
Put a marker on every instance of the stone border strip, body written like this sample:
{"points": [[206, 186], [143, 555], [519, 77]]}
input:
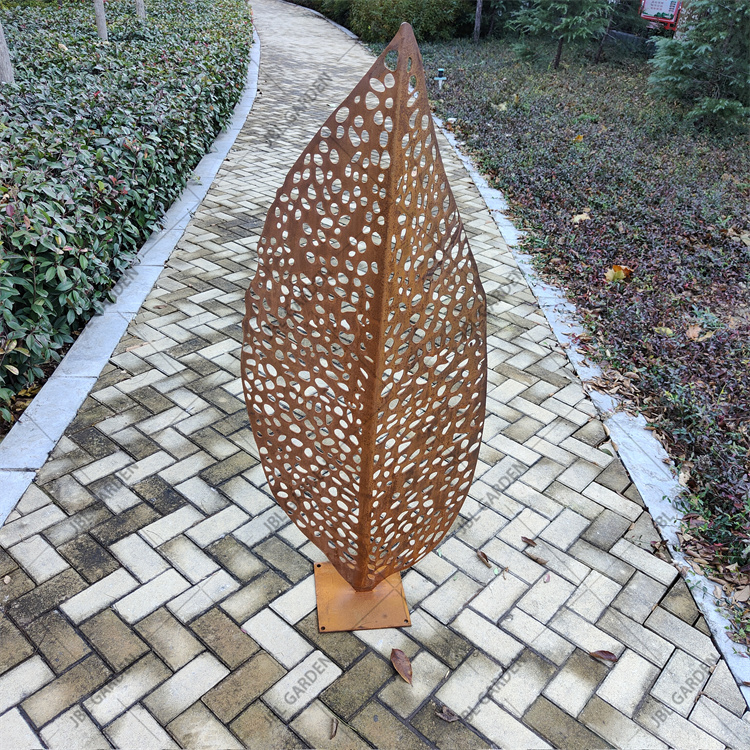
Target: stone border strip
{"points": [[642, 454], [30, 441]]}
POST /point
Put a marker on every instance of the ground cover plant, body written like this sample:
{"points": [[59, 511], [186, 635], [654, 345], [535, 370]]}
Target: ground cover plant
{"points": [[644, 220], [96, 141]]}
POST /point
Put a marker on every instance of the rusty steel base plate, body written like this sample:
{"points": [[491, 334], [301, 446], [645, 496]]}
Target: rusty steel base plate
{"points": [[340, 607]]}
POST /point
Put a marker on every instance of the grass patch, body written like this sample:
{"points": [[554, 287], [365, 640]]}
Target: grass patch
{"points": [[96, 141], [655, 195]]}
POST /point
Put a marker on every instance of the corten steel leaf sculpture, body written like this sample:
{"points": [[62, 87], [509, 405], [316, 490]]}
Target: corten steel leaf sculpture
{"points": [[364, 358]]}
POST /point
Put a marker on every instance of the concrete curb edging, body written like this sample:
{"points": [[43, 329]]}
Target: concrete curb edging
{"points": [[642, 454], [28, 444]]}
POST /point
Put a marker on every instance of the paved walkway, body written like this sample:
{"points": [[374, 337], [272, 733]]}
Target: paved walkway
{"points": [[149, 543]]}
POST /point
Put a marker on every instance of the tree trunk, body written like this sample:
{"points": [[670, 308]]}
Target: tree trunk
{"points": [[683, 22], [6, 69], [598, 55], [140, 9], [478, 21], [558, 54], [101, 19]]}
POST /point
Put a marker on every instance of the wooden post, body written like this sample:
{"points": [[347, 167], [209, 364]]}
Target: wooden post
{"points": [[140, 9], [6, 69], [101, 19]]}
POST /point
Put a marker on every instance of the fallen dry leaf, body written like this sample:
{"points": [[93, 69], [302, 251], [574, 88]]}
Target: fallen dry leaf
{"points": [[706, 336], [742, 595], [664, 331], [402, 663], [578, 138], [446, 715], [604, 655], [743, 237], [136, 346], [693, 332], [618, 273], [528, 541], [334, 727], [484, 558], [578, 218], [536, 559]]}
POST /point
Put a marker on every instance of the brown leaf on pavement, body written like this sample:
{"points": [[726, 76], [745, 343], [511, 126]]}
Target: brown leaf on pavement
{"points": [[604, 655], [484, 558], [334, 727], [528, 541], [402, 663], [536, 559], [446, 715]]}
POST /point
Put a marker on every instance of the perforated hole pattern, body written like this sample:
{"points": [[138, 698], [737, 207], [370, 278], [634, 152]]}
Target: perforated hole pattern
{"points": [[364, 357]]}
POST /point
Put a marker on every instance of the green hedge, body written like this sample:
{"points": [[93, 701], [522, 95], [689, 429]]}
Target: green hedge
{"points": [[378, 20], [96, 141]]}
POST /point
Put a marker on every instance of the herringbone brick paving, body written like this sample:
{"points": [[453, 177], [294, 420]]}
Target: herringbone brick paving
{"points": [[155, 596]]}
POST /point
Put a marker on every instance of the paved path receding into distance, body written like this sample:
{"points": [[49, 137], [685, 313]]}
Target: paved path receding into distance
{"points": [[154, 596]]}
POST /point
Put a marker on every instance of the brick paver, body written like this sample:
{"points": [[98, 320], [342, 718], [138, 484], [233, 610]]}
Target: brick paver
{"points": [[153, 595]]}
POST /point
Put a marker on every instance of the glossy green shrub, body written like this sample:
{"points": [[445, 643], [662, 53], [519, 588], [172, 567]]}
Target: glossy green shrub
{"points": [[96, 141], [379, 20]]}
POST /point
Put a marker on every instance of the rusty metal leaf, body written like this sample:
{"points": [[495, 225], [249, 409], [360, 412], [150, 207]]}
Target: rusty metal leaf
{"points": [[364, 356]]}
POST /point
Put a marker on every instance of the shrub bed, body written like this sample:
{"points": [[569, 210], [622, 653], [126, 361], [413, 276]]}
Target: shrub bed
{"points": [[96, 141], [600, 174], [378, 21]]}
